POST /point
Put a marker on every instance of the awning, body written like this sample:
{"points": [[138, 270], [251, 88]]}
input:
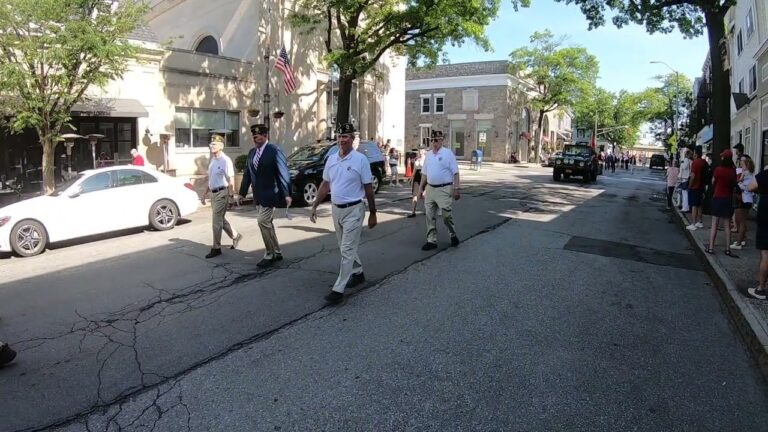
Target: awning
{"points": [[109, 108], [705, 135]]}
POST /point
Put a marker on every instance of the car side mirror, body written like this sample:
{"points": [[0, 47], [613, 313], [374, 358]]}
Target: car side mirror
{"points": [[75, 193]]}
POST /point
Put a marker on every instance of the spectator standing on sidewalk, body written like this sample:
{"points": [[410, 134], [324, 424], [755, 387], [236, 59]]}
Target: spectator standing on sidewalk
{"points": [[746, 201], [137, 159], [724, 180], [685, 173], [759, 184], [221, 184], [394, 161], [696, 190], [673, 177], [348, 174]]}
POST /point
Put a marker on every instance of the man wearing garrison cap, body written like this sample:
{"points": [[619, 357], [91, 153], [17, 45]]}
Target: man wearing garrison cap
{"points": [[440, 187], [221, 184], [348, 174], [266, 173]]}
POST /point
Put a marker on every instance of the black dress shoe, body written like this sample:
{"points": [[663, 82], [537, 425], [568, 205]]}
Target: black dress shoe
{"points": [[213, 253], [277, 257], [334, 297], [267, 262], [356, 280], [429, 246], [6, 354], [455, 241], [236, 241]]}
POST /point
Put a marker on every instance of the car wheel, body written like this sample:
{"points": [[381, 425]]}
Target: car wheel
{"points": [[309, 192], [556, 175], [376, 182], [163, 215], [29, 238]]}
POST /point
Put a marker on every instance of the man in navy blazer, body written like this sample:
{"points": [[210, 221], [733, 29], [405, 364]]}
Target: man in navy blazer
{"points": [[266, 173]]}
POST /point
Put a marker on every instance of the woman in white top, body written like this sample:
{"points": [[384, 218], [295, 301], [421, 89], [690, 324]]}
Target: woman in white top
{"points": [[394, 161], [747, 200], [685, 172]]}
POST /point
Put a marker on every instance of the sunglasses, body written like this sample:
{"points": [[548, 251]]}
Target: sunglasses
{"points": [[436, 139], [345, 136]]}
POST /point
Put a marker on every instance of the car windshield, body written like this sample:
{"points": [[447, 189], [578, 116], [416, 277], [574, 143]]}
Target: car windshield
{"points": [[576, 150], [308, 153], [61, 187]]}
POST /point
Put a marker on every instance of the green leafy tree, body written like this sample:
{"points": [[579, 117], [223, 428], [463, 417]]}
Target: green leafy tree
{"points": [[691, 18], [560, 74], [594, 109], [51, 52], [359, 32]]}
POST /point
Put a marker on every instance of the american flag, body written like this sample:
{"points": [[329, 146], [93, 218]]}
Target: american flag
{"points": [[284, 66]]}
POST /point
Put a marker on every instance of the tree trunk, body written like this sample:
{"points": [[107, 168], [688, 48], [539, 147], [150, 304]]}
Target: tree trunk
{"points": [[539, 135], [48, 142], [345, 91], [721, 86]]}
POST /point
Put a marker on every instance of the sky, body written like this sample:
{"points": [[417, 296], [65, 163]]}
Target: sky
{"points": [[624, 54]]}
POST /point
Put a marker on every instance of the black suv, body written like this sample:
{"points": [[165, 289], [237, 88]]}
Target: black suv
{"points": [[657, 160], [577, 160], [307, 163]]}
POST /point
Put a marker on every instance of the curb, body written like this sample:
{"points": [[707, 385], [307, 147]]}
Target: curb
{"points": [[742, 314]]}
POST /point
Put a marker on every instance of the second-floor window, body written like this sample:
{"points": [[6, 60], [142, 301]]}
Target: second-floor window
{"points": [[739, 43], [194, 126], [208, 45], [741, 85], [439, 103], [750, 22], [753, 79], [426, 106]]}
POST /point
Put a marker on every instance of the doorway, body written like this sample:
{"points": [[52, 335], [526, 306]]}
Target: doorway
{"points": [[457, 137]]}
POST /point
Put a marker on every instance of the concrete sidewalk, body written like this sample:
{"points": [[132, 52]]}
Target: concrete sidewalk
{"points": [[733, 276]]}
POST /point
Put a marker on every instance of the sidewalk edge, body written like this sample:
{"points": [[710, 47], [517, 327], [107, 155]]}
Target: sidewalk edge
{"points": [[741, 312]]}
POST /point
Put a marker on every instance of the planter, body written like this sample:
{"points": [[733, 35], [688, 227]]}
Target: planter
{"points": [[253, 113], [238, 181], [278, 114]]}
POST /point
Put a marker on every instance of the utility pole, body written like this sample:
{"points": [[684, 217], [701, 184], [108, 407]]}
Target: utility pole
{"points": [[267, 51]]}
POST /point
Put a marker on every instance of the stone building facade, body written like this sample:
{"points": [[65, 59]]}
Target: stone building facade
{"points": [[477, 106]]}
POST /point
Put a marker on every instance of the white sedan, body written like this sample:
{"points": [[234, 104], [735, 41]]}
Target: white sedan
{"points": [[96, 201]]}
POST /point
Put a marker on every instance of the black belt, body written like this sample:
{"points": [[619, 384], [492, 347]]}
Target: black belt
{"points": [[441, 185], [218, 189], [350, 204]]}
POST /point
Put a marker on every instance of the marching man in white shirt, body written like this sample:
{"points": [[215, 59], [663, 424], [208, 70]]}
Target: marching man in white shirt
{"points": [[221, 184], [348, 174], [440, 187]]}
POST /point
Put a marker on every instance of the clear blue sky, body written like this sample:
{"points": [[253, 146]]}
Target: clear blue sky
{"points": [[624, 54]]}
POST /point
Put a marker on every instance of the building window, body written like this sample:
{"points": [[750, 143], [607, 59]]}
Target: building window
{"points": [[753, 79], [469, 100], [747, 139], [208, 45], [739, 43], [425, 133], [750, 24], [439, 103], [194, 126], [741, 85], [425, 104]]}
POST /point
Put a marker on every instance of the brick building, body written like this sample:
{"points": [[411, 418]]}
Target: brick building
{"points": [[478, 106]]}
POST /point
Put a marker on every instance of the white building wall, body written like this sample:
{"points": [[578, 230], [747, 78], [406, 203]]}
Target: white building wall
{"points": [[745, 119], [392, 123]]}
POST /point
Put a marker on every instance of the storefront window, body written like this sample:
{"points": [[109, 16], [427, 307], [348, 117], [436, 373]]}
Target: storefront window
{"points": [[194, 126]]}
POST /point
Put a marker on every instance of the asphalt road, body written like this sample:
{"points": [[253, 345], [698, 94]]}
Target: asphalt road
{"points": [[569, 307]]}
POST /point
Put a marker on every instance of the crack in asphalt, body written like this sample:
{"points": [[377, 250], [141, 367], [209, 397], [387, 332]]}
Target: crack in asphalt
{"points": [[117, 330]]}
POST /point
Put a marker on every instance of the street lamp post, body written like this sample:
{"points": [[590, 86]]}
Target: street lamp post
{"points": [[675, 113]]}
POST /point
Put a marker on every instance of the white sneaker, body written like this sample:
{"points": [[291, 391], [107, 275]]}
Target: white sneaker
{"points": [[736, 246], [691, 227], [699, 225]]}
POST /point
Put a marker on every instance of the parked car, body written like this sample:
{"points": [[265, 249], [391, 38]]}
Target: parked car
{"points": [[95, 202], [657, 160], [577, 160], [307, 163]]}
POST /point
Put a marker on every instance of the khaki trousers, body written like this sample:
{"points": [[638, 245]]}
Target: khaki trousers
{"points": [[265, 216], [219, 208], [349, 224], [434, 199]]}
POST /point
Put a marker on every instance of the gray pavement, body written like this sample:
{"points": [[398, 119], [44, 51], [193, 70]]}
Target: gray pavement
{"points": [[566, 311]]}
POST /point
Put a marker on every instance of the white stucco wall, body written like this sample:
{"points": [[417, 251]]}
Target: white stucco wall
{"points": [[392, 123]]}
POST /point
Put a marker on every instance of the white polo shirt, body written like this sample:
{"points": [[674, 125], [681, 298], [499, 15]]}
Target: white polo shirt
{"points": [[347, 176], [220, 172], [440, 167]]}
